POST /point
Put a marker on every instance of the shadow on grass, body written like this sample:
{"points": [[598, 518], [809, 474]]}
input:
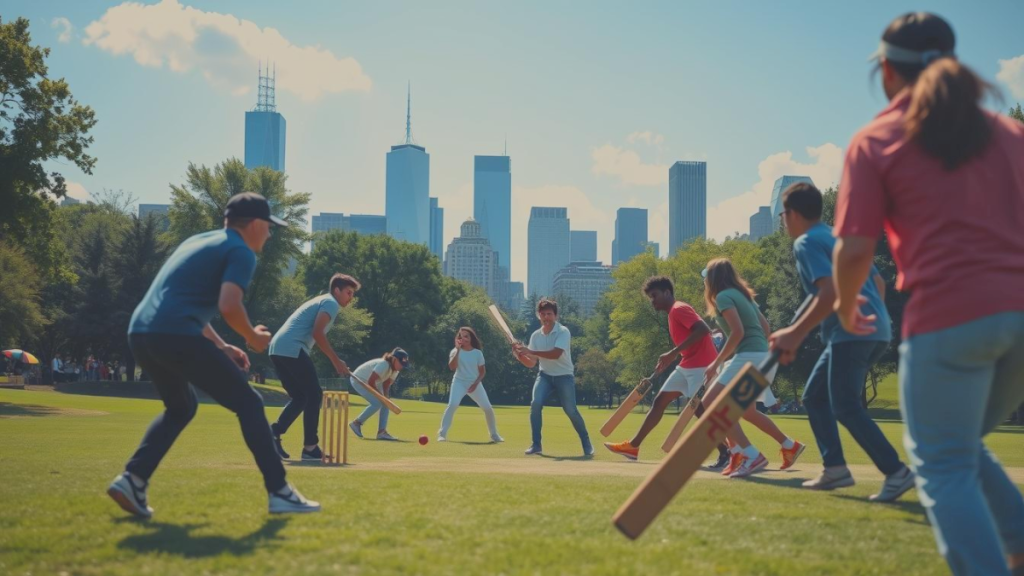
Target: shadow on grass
{"points": [[779, 482], [469, 443], [8, 410], [566, 458], [314, 464], [178, 539], [912, 507]]}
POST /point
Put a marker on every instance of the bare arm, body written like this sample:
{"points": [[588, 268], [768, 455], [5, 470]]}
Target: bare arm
{"points": [[697, 331], [764, 321], [736, 333], [233, 311], [524, 358], [453, 363], [236, 354], [320, 337], [553, 354], [852, 260], [480, 378]]}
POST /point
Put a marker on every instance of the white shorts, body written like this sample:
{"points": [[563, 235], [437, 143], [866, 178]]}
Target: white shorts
{"points": [[737, 362], [686, 381]]}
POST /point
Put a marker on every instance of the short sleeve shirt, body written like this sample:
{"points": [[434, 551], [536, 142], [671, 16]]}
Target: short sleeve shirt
{"points": [[681, 319], [378, 366], [956, 235], [470, 362], [813, 252], [558, 338], [754, 339], [296, 335], [184, 295]]}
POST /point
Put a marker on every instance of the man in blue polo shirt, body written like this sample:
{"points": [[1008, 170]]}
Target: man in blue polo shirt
{"points": [[172, 340], [289, 351], [833, 391]]}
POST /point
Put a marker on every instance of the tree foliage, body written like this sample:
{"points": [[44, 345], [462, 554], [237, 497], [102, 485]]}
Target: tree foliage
{"points": [[21, 313]]}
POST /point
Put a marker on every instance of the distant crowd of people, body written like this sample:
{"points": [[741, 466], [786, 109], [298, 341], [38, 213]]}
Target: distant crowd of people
{"points": [[67, 369]]}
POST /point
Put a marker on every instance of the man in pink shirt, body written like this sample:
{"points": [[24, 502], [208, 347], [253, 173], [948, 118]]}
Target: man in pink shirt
{"points": [[946, 180], [693, 342]]}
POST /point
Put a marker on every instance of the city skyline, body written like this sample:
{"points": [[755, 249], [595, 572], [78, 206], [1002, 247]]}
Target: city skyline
{"points": [[341, 83]]}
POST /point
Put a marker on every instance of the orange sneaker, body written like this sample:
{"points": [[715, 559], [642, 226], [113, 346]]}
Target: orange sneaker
{"points": [[735, 461], [790, 456], [623, 448]]}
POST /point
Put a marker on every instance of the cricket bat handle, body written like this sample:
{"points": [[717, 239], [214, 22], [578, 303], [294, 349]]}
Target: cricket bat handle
{"points": [[773, 359]]}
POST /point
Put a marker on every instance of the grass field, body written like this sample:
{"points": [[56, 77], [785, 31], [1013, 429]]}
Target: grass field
{"points": [[462, 507]]}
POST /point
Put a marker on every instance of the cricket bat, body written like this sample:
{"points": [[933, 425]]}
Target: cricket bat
{"points": [[383, 399], [684, 418], [627, 405], [502, 325], [655, 493]]}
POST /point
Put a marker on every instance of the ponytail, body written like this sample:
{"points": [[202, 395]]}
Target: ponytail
{"points": [[945, 117]]}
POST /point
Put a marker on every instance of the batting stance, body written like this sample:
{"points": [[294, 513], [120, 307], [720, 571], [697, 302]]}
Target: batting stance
{"points": [[172, 340]]}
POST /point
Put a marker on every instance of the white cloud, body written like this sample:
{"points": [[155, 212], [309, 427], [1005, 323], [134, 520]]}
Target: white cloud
{"points": [[77, 191], [732, 215], [1011, 73], [223, 48], [64, 26], [627, 165]]}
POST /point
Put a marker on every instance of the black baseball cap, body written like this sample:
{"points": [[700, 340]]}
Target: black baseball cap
{"points": [[251, 205], [402, 356]]}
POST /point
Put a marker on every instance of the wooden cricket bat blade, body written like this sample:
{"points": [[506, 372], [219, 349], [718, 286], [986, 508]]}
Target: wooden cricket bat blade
{"points": [[658, 489], [680, 425], [626, 407], [382, 398]]}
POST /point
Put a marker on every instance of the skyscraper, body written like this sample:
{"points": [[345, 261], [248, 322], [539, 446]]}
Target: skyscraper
{"points": [[471, 259], [630, 233], [492, 203], [687, 203], [548, 249], [358, 223], [265, 128], [583, 246], [584, 283], [761, 224], [780, 186], [436, 230], [407, 194]]}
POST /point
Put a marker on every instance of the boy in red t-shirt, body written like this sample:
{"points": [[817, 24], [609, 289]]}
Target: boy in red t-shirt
{"points": [[692, 339]]}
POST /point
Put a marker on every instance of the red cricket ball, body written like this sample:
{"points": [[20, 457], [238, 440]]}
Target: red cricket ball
{"points": [[423, 440]]}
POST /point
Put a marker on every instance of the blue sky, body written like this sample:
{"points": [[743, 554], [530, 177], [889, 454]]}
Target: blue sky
{"points": [[597, 99]]}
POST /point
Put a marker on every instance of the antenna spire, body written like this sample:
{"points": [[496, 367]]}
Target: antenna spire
{"points": [[408, 115]]}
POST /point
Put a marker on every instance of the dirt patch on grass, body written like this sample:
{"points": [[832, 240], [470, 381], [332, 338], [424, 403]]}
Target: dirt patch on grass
{"points": [[8, 410]]}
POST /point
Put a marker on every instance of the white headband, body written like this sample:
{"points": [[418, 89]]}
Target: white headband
{"points": [[907, 56]]}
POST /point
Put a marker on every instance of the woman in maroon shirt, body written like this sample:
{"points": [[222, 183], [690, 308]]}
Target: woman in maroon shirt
{"points": [[945, 178]]}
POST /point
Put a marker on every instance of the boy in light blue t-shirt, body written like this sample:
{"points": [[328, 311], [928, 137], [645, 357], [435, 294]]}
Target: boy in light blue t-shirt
{"points": [[834, 390], [289, 351]]}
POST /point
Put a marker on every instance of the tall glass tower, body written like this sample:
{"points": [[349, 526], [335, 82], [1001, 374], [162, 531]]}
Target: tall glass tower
{"points": [[492, 203], [265, 128], [407, 191], [687, 203]]}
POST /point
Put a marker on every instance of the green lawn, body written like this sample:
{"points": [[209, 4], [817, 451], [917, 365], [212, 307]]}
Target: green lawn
{"points": [[463, 507]]}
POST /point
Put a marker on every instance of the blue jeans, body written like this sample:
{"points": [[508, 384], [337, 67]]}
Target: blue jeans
{"points": [[565, 387], [956, 386], [833, 394]]}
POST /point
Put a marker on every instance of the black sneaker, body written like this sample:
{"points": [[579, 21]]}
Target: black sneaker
{"points": [[721, 463], [280, 449], [314, 454]]}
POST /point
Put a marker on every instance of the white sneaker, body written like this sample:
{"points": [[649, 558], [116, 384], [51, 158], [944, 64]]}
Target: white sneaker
{"points": [[383, 435], [497, 439], [894, 486], [130, 496], [288, 500], [750, 466], [356, 428], [442, 439], [830, 479]]}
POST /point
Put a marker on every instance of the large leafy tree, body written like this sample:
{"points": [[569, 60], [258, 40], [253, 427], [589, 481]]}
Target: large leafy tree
{"points": [[402, 288], [1017, 113], [198, 206], [39, 121], [21, 314]]}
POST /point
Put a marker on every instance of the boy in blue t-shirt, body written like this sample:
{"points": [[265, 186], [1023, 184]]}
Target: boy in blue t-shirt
{"points": [[172, 340], [289, 351], [834, 389]]}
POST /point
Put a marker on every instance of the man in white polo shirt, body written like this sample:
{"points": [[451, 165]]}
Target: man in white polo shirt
{"points": [[550, 346]]}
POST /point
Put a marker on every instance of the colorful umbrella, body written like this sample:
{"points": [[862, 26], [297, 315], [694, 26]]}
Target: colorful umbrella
{"points": [[21, 355]]}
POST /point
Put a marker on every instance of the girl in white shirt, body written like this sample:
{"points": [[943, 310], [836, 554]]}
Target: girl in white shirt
{"points": [[467, 361]]}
